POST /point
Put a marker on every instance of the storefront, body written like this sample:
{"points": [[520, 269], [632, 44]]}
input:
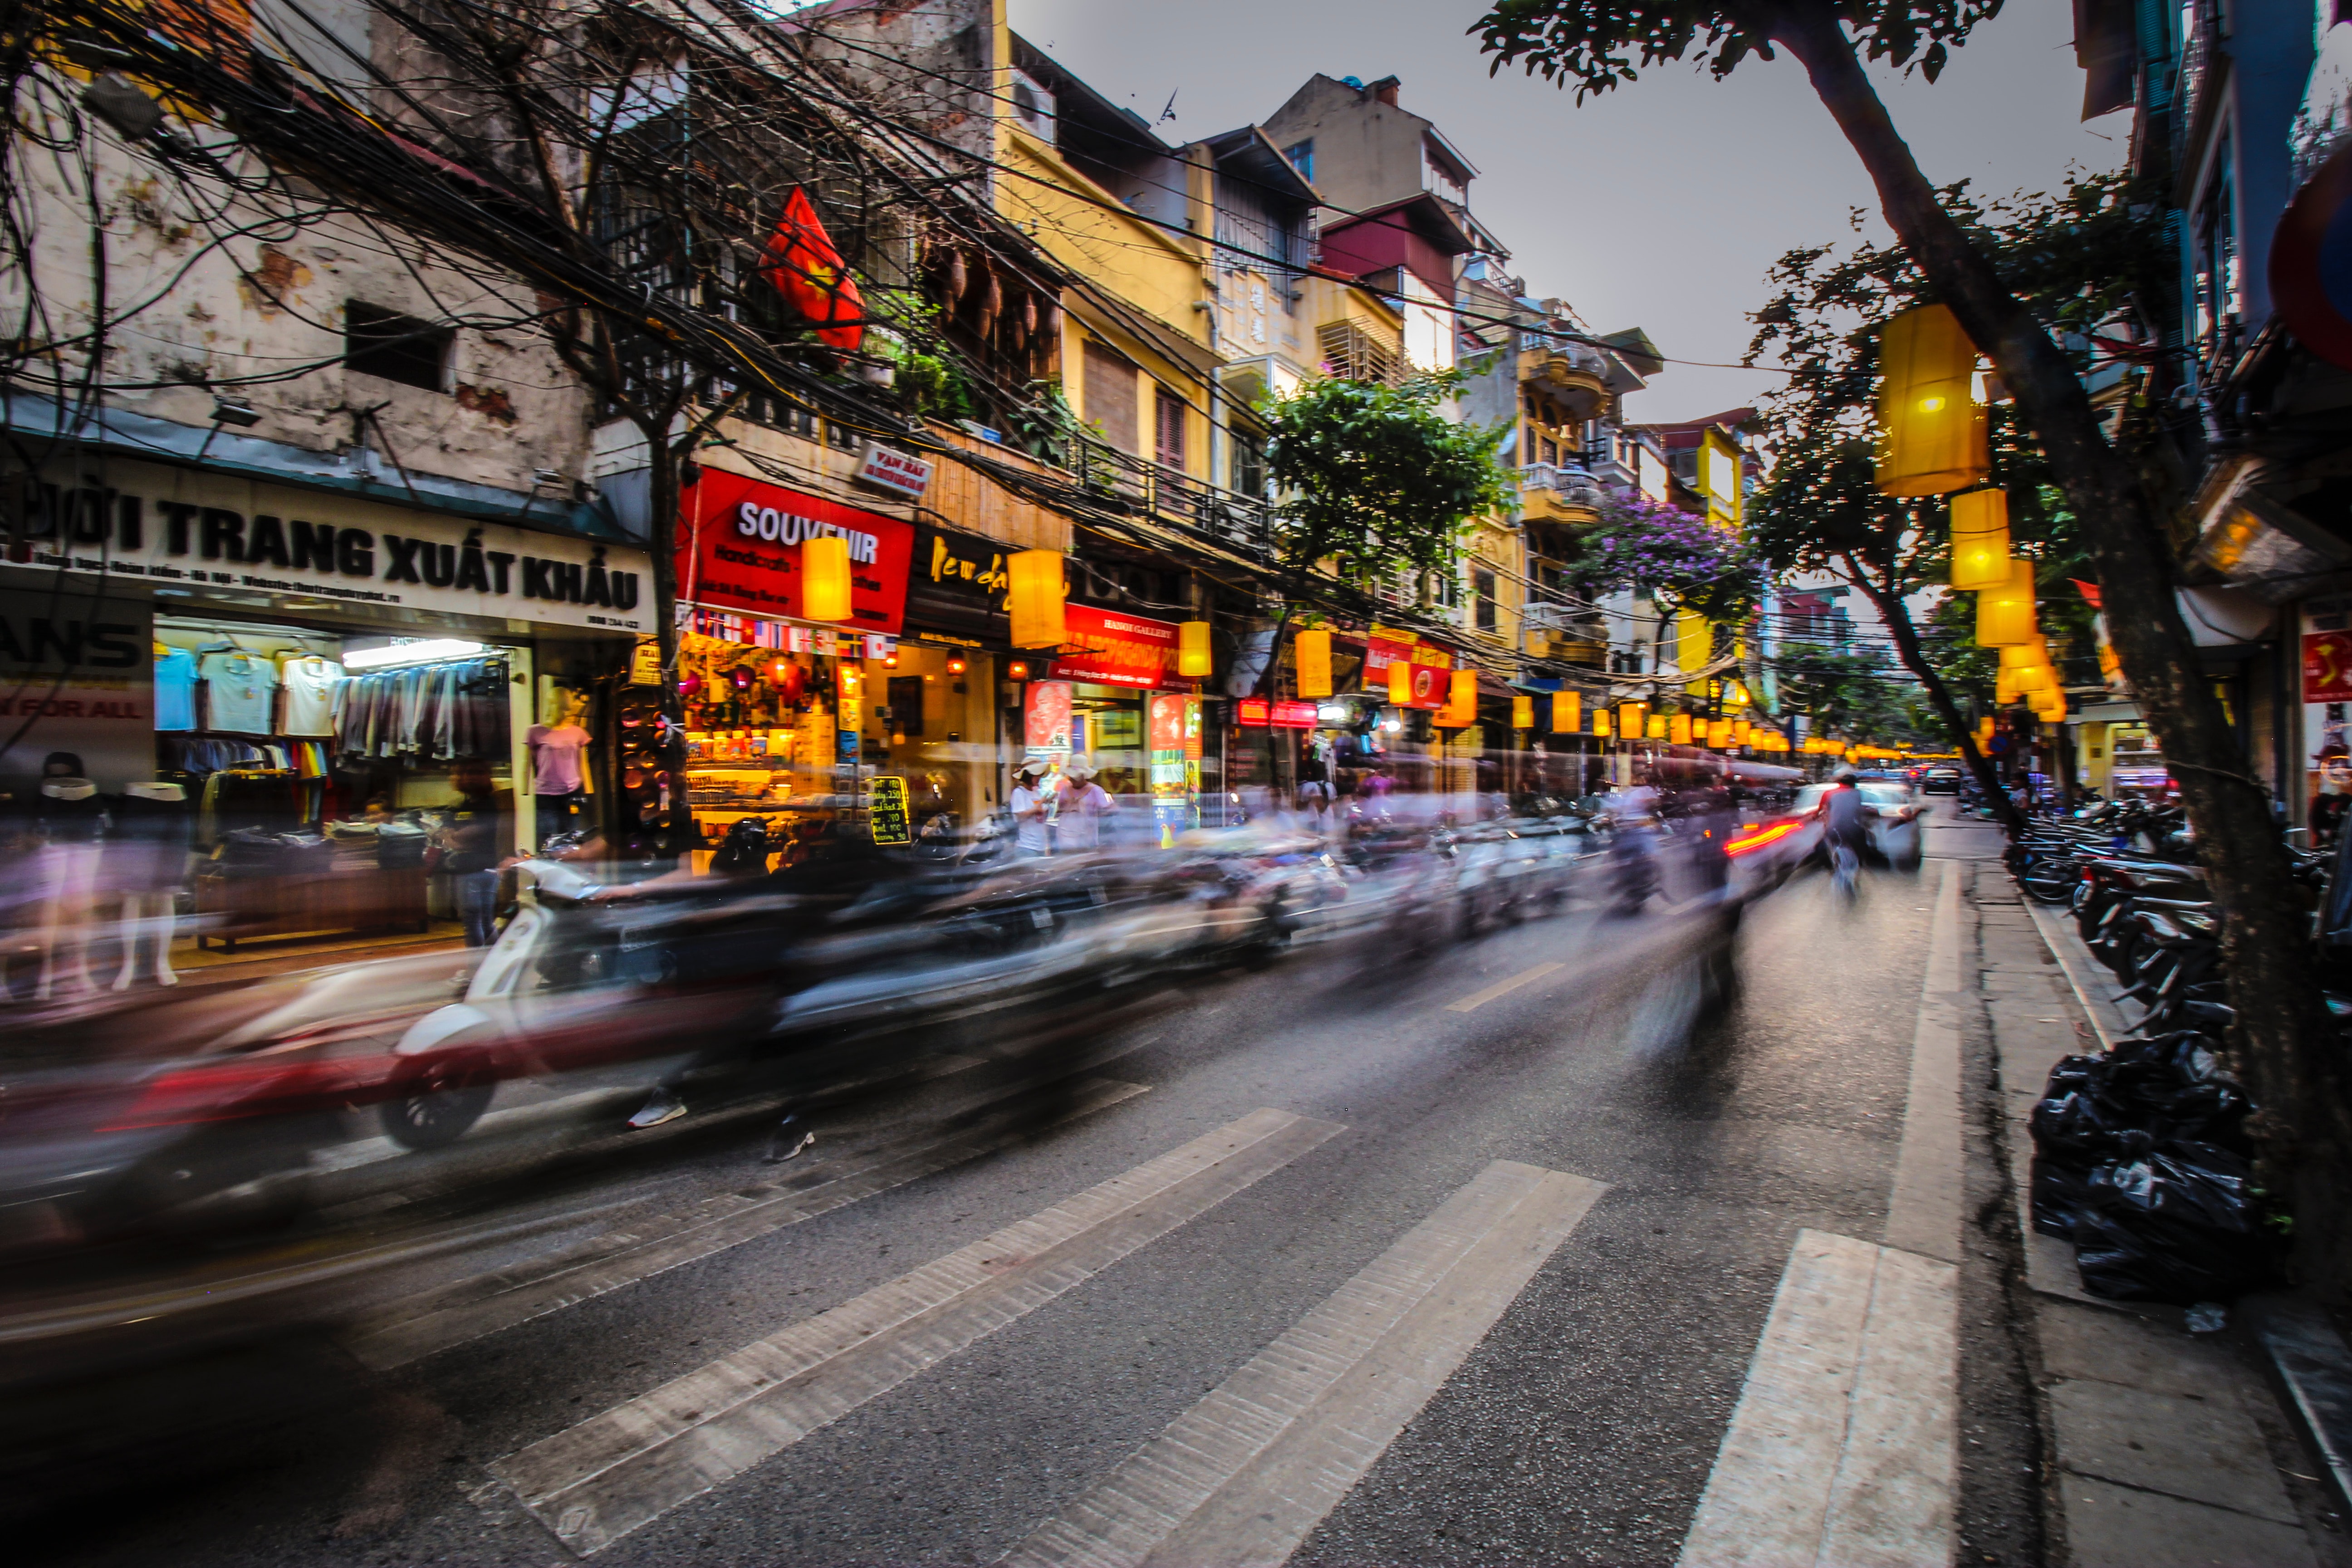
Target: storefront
{"points": [[289, 690], [1111, 699]]}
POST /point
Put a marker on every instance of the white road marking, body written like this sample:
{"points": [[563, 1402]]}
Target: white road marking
{"points": [[1843, 1449], [455, 1314], [1500, 988], [619, 1470], [1925, 1211], [1247, 1473]]}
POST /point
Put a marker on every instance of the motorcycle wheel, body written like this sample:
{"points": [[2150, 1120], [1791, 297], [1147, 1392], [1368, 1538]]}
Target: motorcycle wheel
{"points": [[437, 1103]]}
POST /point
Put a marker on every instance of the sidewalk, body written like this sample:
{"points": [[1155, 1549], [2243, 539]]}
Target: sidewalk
{"points": [[2165, 1449]]}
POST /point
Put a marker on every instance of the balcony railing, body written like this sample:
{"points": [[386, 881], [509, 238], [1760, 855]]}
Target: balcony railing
{"points": [[1143, 488], [1572, 485]]}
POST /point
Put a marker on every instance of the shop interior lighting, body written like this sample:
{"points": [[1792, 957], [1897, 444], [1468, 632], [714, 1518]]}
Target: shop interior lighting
{"points": [[1334, 714], [424, 652]]}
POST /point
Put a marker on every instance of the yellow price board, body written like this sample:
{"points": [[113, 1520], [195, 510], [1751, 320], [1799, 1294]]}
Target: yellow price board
{"points": [[885, 810]]}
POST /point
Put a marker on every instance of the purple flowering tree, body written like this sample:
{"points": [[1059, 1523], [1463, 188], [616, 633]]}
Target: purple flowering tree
{"points": [[1668, 554]]}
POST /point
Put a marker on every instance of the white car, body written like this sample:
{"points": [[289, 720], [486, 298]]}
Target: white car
{"points": [[1896, 834]]}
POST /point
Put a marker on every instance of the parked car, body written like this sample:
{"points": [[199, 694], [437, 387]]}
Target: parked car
{"points": [[1940, 781], [1895, 833]]}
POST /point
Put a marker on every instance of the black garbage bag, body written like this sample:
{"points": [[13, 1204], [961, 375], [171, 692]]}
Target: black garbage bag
{"points": [[2181, 1223], [2061, 1194], [2085, 1127]]}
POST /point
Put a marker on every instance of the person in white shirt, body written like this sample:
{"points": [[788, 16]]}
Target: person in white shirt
{"points": [[1077, 825], [1029, 801]]}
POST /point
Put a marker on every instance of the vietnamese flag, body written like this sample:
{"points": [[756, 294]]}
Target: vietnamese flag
{"points": [[802, 265]]}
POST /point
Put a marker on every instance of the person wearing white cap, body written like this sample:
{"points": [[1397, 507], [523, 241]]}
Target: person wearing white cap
{"points": [[1078, 824], [1028, 802]]}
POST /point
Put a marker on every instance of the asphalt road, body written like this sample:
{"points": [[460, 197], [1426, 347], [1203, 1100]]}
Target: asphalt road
{"points": [[1566, 1405]]}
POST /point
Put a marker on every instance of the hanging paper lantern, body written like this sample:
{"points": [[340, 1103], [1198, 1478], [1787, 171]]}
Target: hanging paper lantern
{"points": [[1523, 712], [1314, 657], [1678, 728], [1980, 540], [2004, 688], [825, 579], [1601, 723], [1741, 731], [1932, 430], [1460, 709], [1567, 712], [1719, 734], [1035, 593], [1657, 729], [2005, 615], [1193, 659], [1629, 719], [2036, 679], [1399, 682]]}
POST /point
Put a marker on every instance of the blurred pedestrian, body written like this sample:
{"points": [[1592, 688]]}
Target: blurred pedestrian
{"points": [[1029, 803], [469, 837], [1079, 820]]}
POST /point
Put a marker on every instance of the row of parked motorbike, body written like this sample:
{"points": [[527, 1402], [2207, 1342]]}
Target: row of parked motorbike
{"points": [[2141, 1156]]}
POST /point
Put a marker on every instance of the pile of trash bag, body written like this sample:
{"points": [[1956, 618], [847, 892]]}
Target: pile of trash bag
{"points": [[2141, 1160]]}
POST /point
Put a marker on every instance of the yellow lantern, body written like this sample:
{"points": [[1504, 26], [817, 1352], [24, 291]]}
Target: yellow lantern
{"points": [[1314, 655], [1980, 540], [825, 579], [2005, 615], [1461, 701], [1719, 734], [1601, 723], [1399, 682], [1657, 730], [2004, 688], [1932, 430], [1523, 712], [1567, 712], [1678, 730], [1629, 719], [1034, 594], [1192, 656], [2036, 679]]}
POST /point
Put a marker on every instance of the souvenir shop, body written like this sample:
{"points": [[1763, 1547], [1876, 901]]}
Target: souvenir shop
{"points": [[790, 721], [312, 716]]}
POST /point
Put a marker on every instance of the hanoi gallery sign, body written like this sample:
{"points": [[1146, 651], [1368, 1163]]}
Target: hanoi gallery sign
{"points": [[198, 531], [739, 548], [1115, 648]]}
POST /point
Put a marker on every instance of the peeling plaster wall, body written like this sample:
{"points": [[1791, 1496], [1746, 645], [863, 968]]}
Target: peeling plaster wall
{"points": [[198, 290]]}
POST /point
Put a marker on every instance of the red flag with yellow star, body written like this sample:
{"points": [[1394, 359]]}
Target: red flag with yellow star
{"points": [[802, 265]]}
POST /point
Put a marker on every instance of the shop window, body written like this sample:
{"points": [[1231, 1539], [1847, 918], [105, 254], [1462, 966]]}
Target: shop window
{"points": [[1168, 429], [393, 347], [1249, 463], [841, 435]]}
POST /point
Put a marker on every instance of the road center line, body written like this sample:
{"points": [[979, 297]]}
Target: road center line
{"points": [[1247, 1473], [1843, 1447], [468, 1309], [621, 1470], [1500, 988]]}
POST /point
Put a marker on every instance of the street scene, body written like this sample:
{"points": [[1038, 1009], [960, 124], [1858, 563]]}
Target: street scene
{"points": [[948, 782]]}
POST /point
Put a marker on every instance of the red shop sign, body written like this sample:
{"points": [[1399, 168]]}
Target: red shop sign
{"points": [[739, 548], [1431, 683], [1253, 712], [1115, 648], [1294, 715], [2327, 666]]}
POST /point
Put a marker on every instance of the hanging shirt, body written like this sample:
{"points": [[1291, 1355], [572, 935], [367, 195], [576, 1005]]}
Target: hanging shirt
{"points": [[175, 690], [310, 683], [238, 687], [555, 757]]}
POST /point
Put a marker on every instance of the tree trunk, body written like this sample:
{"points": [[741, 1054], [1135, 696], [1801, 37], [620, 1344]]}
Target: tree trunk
{"points": [[1897, 616], [2285, 1044]]}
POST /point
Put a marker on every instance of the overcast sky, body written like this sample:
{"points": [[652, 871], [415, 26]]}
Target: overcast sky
{"points": [[1659, 205]]}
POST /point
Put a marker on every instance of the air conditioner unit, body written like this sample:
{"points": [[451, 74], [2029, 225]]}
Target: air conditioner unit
{"points": [[1034, 105]]}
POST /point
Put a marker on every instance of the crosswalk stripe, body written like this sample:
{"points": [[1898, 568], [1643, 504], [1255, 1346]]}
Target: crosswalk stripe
{"points": [[1843, 1447], [468, 1309], [619, 1470], [1247, 1473], [1477, 999]]}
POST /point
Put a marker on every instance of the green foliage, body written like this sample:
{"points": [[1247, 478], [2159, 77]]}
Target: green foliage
{"points": [[1595, 44], [1859, 694], [2074, 257], [930, 384], [1376, 478]]}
